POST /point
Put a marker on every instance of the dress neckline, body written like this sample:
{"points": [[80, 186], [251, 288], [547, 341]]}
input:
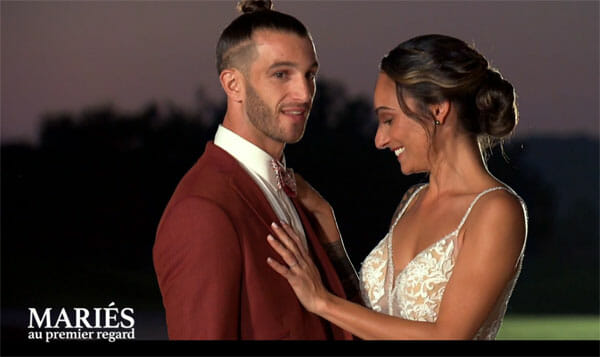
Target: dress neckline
{"points": [[392, 282]]}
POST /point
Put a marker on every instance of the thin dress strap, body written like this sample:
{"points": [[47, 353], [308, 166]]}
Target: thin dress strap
{"points": [[464, 219], [523, 207], [414, 194]]}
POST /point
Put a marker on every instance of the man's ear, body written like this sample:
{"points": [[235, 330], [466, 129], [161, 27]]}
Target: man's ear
{"points": [[232, 83]]}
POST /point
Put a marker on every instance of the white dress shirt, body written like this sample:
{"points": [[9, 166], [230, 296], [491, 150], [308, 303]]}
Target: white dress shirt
{"points": [[258, 164]]}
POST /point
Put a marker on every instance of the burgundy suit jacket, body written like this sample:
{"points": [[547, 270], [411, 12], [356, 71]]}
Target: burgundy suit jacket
{"points": [[210, 259]]}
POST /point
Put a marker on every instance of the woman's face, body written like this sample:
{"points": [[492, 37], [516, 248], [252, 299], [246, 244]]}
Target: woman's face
{"points": [[396, 131]]}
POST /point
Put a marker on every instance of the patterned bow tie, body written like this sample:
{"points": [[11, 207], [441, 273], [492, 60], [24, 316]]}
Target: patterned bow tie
{"points": [[285, 178]]}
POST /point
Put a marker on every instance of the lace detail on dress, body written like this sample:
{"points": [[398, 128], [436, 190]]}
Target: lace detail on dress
{"points": [[417, 291], [421, 285], [373, 271]]}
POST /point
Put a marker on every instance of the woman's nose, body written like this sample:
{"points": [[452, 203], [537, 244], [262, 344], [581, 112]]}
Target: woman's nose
{"points": [[381, 138]]}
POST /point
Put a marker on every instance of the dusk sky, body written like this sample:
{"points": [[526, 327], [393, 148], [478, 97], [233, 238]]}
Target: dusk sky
{"points": [[70, 55]]}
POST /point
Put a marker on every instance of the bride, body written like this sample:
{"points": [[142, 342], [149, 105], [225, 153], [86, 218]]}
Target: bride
{"points": [[448, 265]]}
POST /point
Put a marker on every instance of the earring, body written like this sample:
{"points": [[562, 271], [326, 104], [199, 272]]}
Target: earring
{"points": [[436, 122]]}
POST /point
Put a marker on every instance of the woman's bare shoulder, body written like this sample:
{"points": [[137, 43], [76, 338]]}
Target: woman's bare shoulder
{"points": [[500, 216]]}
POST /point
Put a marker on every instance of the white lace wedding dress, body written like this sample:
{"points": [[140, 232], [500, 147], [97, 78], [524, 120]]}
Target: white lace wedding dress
{"points": [[417, 291]]}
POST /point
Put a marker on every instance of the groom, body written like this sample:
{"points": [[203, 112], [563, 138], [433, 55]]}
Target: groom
{"points": [[210, 251]]}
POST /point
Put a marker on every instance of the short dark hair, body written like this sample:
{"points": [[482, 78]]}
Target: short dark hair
{"points": [[256, 15], [435, 68]]}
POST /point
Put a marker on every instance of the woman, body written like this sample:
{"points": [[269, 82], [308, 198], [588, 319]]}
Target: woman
{"points": [[454, 250]]}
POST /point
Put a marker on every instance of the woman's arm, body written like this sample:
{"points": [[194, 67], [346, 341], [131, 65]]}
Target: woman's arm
{"points": [[321, 210], [329, 235], [492, 241]]}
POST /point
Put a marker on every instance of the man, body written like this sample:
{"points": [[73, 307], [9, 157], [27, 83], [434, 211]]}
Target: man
{"points": [[211, 249]]}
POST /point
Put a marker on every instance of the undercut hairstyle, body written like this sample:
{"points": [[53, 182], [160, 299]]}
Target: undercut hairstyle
{"points": [[235, 48], [437, 68]]}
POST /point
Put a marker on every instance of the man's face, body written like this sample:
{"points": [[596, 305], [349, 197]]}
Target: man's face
{"points": [[280, 87]]}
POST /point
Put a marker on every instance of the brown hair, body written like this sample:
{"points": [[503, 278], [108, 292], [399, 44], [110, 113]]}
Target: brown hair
{"points": [[436, 68], [235, 49]]}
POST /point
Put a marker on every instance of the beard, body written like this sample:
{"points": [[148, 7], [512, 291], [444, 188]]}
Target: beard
{"points": [[266, 120]]}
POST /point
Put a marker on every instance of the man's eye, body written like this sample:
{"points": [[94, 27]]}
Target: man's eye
{"points": [[279, 74]]}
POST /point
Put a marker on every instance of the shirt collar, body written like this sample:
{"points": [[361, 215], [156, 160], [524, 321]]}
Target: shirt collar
{"points": [[249, 155]]}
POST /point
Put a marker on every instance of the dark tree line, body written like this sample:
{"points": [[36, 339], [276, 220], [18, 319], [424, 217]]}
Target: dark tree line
{"points": [[80, 209]]}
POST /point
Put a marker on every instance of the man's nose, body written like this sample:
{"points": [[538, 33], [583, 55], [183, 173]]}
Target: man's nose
{"points": [[304, 90]]}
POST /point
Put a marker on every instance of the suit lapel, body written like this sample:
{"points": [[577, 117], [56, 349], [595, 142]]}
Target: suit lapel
{"points": [[330, 276], [254, 197], [243, 184]]}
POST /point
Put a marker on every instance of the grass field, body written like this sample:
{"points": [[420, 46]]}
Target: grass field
{"points": [[522, 327]]}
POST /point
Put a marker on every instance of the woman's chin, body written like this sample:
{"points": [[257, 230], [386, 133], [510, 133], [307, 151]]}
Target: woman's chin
{"points": [[407, 171]]}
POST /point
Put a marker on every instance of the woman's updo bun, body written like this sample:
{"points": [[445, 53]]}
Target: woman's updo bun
{"points": [[249, 6], [437, 68], [495, 101]]}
